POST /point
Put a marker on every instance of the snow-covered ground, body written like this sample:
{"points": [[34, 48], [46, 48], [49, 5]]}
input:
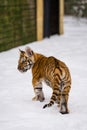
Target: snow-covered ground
{"points": [[18, 111]]}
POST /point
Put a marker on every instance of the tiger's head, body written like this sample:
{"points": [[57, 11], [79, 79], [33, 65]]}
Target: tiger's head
{"points": [[25, 61]]}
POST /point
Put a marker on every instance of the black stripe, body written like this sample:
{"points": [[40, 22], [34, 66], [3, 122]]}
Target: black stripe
{"points": [[56, 89], [57, 77], [55, 93], [38, 88], [67, 82], [65, 94], [60, 70], [51, 102], [54, 98]]}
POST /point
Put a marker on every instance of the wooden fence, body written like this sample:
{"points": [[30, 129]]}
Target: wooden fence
{"points": [[24, 21], [17, 23]]}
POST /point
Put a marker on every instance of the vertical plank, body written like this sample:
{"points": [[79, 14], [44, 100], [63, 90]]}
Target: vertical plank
{"points": [[39, 17], [61, 16]]}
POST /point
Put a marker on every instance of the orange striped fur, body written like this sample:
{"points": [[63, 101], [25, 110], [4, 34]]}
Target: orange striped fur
{"points": [[54, 72]]}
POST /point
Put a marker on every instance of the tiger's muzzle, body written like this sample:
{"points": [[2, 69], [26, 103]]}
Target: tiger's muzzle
{"points": [[23, 68]]}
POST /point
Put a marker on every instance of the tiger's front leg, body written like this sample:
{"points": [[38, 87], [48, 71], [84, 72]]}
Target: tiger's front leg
{"points": [[39, 95]]}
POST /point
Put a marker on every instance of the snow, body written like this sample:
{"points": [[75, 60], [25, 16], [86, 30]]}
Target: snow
{"points": [[18, 111]]}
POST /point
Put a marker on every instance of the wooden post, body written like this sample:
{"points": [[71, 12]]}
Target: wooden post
{"points": [[39, 19], [61, 16]]}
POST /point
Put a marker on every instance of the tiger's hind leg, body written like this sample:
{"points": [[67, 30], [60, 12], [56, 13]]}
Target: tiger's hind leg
{"points": [[64, 101], [64, 104]]}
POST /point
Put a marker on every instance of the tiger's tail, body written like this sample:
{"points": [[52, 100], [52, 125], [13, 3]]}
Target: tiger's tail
{"points": [[53, 99]]}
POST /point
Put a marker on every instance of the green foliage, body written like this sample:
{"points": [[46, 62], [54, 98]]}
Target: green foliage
{"points": [[76, 7], [17, 23]]}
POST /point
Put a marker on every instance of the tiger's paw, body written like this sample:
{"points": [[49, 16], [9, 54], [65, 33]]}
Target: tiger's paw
{"points": [[38, 98], [64, 112], [34, 99]]}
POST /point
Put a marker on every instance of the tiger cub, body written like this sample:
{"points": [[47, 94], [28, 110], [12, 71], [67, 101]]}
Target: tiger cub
{"points": [[51, 70]]}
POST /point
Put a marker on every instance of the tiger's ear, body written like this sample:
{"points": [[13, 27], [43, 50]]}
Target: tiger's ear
{"points": [[21, 51], [29, 51]]}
